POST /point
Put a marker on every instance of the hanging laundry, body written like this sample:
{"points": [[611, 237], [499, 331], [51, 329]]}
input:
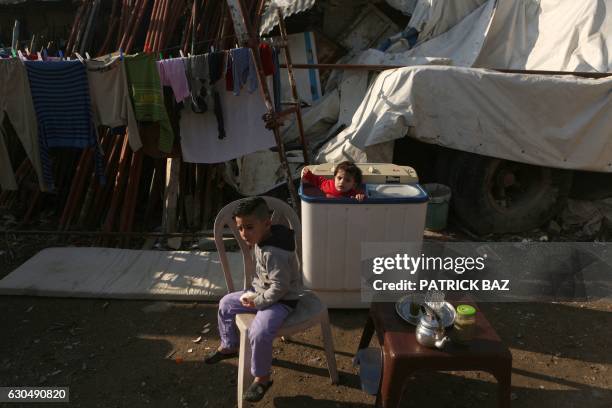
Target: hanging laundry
{"points": [[218, 110], [244, 70], [172, 74], [146, 94], [215, 66], [229, 74], [196, 70], [60, 93], [110, 99], [246, 132], [16, 103], [267, 58]]}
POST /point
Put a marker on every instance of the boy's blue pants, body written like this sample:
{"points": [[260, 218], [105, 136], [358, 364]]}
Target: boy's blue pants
{"points": [[261, 333]]}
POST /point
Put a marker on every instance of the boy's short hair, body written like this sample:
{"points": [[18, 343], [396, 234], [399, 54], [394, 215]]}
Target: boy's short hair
{"points": [[350, 169], [255, 206]]}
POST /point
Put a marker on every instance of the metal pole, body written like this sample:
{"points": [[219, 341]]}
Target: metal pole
{"points": [[593, 75]]}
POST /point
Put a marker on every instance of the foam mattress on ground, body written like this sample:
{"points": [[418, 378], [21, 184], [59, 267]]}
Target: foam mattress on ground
{"points": [[123, 273]]}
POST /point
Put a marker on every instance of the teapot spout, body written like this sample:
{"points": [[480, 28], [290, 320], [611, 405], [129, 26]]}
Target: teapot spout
{"points": [[442, 342]]}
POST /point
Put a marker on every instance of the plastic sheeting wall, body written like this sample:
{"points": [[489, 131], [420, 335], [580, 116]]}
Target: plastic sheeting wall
{"points": [[552, 121], [562, 122]]}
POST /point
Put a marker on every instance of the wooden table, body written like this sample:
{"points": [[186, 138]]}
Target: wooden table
{"points": [[402, 355]]}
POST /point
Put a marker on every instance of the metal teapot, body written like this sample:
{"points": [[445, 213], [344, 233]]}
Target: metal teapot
{"points": [[430, 331]]}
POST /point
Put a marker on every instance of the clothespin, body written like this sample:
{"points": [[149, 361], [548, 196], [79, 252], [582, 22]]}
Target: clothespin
{"points": [[120, 54], [14, 54], [212, 48], [61, 54], [79, 56], [20, 54], [40, 58], [188, 55], [87, 55], [44, 53], [182, 53], [27, 50], [161, 57]]}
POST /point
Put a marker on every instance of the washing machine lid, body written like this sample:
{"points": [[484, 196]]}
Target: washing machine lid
{"points": [[395, 193]]}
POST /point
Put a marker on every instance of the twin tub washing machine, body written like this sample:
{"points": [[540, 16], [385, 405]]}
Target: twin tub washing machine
{"points": [[333, 229]]}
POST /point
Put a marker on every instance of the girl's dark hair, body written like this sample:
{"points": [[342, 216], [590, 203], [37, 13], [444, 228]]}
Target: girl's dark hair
{"points": [[350, 169]]}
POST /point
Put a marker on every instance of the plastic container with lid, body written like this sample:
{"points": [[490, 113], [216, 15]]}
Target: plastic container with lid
{"points": [[465, 324]]}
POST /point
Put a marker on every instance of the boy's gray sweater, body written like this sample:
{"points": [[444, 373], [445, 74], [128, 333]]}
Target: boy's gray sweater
{"points": [[277, 271]]}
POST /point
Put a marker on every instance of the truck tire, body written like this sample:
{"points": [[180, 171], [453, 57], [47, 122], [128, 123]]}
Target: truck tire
{"points": [[499, 196]]}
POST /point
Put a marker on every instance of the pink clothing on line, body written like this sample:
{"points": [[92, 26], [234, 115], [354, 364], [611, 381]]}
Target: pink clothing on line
{"points": [[172, 74]]}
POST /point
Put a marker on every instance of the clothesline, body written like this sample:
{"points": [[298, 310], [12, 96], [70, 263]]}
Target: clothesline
{"points": [[198, 43], [214, 126], [161, 51]]}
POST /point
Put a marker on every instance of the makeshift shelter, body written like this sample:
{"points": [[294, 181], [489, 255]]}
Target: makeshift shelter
{"points": [[550, 120]]}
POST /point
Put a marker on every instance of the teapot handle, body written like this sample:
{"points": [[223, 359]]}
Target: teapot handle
{"points": [[430, 311]]}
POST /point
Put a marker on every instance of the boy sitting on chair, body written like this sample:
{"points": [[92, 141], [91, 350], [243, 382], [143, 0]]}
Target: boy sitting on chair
{"points": [[275, 291]]}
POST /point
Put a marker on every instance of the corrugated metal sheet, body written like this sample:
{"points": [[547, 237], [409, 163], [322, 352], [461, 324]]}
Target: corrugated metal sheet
{"points": [[269, 20]]}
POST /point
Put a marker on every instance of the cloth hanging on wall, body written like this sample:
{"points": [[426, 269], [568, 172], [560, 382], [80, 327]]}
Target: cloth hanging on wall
{"points": [[16, 103], [246, 132], [203, 71], [267, 59], [60, 93], [172, 74], [196, 71], [110, 98], [147, 98], [243, 70]]}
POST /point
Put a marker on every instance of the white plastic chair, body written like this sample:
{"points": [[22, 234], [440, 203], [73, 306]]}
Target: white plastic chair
{"points": [[309, 312]]}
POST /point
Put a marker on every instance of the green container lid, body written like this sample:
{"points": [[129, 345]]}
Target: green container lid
{"points": [[466, 310]]}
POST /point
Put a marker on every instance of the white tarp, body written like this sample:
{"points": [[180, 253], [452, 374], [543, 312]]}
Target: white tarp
{"points": [[352, 91], [551, 35], [556, 121], [557, 35], [434, 17]]}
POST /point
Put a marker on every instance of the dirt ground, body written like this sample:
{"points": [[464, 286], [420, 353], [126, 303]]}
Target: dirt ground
{"points": [[137, 353], [115, 353]]}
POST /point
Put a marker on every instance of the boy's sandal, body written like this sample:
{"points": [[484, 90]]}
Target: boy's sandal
{"points": [[256, 391], [216, 356]]}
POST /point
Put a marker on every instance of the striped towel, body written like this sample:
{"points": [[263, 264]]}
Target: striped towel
{"points": [[60, 93]]}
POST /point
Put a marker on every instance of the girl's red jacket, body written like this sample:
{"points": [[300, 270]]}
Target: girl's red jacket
{"points": [[328, 186]]}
